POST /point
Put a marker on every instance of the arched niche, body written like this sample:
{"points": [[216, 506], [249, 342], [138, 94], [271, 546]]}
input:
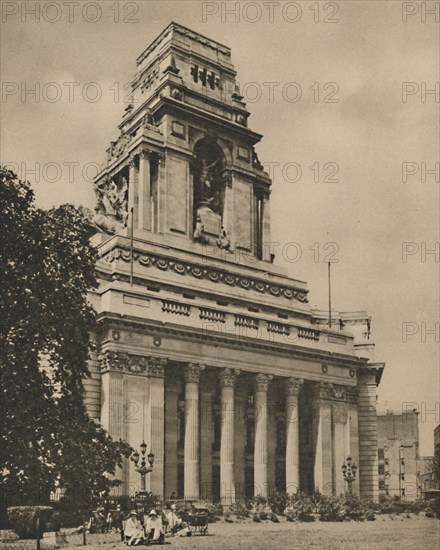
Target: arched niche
{"points": [[209, 188]]}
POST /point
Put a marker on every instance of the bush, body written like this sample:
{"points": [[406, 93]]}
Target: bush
{"points": [[239, 510], [23, 520], [278, 502], [215, 511], [300, 508], [228, 516], [331, 508], [356, 510]]}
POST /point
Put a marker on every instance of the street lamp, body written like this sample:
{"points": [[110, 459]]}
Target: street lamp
{"points": [[349, 470], [142, 467]]}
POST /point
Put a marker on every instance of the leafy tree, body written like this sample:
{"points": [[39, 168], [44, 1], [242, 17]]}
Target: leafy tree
{"points": [[47, 266]]}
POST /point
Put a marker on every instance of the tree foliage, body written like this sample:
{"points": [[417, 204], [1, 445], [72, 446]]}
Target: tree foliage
{"points": [[47, 266]]}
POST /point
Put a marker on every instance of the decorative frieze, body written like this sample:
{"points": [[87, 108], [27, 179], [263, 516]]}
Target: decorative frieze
{"points": [[216, 276], [212, 315], [193, 372], [278, 328], [294, 386], [262, 381], [132, 364], [247, 322], [175, 307]]}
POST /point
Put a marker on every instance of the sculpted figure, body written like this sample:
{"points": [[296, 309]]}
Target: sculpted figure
{"points": [[223, 240]]}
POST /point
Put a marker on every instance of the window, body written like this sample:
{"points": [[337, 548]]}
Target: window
{"points": [[381, 454], [381, 470]]}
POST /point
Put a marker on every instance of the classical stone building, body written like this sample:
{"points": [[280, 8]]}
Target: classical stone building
{"points": [[205, 348]]}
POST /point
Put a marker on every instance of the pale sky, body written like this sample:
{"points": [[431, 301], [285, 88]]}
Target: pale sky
{"points": [[361, 59]]}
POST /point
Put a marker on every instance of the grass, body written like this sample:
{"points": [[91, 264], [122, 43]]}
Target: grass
{"points": [[386, 533]]}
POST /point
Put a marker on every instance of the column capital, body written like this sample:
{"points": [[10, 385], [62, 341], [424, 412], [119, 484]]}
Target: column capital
{"points": [[118, 361], [132, 161], [145, 153], [328, 391], [193, 372], [156, 366], [228, 376], [294, 386], [262, 381]]}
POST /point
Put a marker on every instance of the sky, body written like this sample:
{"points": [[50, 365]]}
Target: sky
{"points": [[344, 95]]}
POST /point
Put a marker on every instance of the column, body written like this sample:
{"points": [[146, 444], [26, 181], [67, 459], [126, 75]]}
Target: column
{"points": [[133, 196], [191, 450], [207, 389], [171, 432], [353, 432], [340, 418], [144, 207], [161, 206], [368, 460], [260, 450], [293, 388], [271, 437], [112, 396], [228, 209], [240, 440], [322, 436], [266, 227], [227, 479], [155, 438]]}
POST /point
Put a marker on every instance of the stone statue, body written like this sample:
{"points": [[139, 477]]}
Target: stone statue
{"points": [[199, 234], [112, 205], [208, 185], [223, 241]]}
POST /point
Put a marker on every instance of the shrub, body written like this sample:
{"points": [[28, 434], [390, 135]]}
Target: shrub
{"points": [[215, 511], [300, 508], [331, 508], [228, 516], [355, 509], [240, 510], [274, 518], [278, 501], [23, 520]]}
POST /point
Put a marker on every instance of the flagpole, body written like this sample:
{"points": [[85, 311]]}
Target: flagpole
{"points": [[329, 298], [131, 247]]}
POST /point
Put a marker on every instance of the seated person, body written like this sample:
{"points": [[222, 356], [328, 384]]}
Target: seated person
{"points": [[174, 522], [154, 528], [133, 533], [114, 519], [98, 522]]}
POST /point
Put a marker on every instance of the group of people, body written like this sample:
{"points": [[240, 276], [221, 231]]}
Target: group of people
{"points": [[137, 528]]}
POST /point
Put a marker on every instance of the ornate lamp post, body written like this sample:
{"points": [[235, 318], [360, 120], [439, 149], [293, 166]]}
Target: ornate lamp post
{"points": [[349, 470], [142, 467]]}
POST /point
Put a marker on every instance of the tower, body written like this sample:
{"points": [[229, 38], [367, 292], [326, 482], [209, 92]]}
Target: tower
{"points": [[205, 348]]}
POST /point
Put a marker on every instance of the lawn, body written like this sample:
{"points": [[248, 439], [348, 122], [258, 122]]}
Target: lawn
{"points": [[386, 533]]}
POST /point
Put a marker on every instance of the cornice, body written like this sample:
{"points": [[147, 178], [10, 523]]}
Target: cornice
{"points": [[184, 31], [192, 334], [216, 275]]}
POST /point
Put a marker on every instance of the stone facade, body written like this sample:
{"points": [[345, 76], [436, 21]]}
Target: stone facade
{"points": [[206, 349], [399, 461]]}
